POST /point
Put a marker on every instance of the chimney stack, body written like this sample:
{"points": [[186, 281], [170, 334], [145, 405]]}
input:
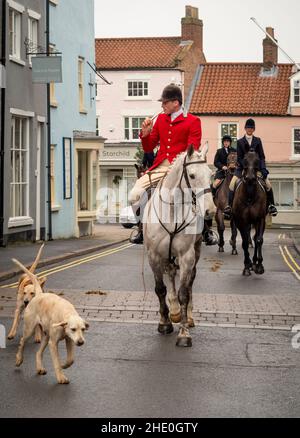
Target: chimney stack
{"points": [[270, 50], [192, 27]]}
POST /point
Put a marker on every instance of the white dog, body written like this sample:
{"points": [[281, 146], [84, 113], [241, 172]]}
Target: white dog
{"points": [[58, 320], [25, 293]]}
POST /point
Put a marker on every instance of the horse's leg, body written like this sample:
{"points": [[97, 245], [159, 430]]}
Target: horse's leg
{"points": [[190, 304], [165, 325], [221, 227], [233, 237], [250, 238], [175, 314], [258, 258], [245, 245], [184, 338]]}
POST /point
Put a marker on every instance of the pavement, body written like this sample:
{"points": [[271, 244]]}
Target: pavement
{"points": [[61, 249], [296, 240], [130, 371]]}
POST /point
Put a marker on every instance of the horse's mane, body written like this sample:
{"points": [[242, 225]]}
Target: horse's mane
{"points": [[179, 159]]}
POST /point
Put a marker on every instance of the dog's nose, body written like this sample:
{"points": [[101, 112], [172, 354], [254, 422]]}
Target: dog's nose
{"points": [[26, 302], [79, 343]]}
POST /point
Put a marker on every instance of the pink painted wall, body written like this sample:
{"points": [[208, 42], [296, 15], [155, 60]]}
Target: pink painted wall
{"points": [[113, 104], [275, 132]]}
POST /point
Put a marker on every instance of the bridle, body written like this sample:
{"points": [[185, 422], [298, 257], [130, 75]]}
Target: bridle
{"points": [[180, 227]]}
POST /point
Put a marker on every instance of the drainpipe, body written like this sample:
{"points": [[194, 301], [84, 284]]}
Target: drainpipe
{"points": [[2, 112], [48, 127]]}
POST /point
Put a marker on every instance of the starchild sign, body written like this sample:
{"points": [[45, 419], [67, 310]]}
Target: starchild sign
{"points": [[46, 69]]}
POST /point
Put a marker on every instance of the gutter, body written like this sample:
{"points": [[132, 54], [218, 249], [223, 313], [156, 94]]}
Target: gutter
{"points": [[2, 112], [194, 84], [49, 201]]}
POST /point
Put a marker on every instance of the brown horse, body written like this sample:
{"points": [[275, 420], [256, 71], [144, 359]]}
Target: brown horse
{"points": [[221, 200], [250, 209]]}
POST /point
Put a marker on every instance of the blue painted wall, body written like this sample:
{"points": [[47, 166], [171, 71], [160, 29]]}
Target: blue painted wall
{"points": [[72, 33]]}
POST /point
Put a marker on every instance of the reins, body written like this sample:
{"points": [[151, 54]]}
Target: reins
{"points": [[180, 227]]}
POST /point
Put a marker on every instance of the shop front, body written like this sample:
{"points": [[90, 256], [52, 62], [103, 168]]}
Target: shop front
{"points": [[117, 177]]}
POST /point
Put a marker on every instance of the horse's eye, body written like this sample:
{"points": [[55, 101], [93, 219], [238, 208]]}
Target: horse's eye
{"points": [[192, 176]]}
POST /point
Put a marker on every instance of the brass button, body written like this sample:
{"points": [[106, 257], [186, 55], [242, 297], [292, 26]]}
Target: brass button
{"points": [[170, 132], [169, 139], [167, 154], [168, 147]]}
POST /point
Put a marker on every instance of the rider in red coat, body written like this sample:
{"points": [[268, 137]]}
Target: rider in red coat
{"points": [[173, 132]]}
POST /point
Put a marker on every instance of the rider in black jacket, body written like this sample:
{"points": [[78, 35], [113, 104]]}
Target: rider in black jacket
{"points": [[220, 161], [244, 145]]}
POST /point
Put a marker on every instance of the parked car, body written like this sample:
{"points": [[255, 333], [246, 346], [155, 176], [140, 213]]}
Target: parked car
{"points": [[127, 217]]}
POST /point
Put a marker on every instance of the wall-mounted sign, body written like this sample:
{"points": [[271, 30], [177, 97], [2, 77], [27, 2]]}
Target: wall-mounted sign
{"points": [[46, 69], [117, 154], [67, 168]]}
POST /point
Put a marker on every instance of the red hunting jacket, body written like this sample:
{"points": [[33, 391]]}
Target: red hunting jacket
{"points": [[173, 137]]}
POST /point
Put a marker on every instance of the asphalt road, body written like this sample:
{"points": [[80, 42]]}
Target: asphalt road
{"points": [[131, 371], [217, 272]]}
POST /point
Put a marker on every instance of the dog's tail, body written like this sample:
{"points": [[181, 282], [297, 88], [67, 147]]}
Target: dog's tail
{"points": [[37, 259], [32, 277]]}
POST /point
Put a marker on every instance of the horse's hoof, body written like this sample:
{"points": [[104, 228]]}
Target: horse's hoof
{"points": [[165, 329], [221, 249], [259, 269], [175, 318], [234, 252], [246, 272], [184, 341], [191, 322]]}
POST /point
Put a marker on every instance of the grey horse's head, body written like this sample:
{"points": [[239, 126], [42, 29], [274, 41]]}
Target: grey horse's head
{"points": [[199, 175]]}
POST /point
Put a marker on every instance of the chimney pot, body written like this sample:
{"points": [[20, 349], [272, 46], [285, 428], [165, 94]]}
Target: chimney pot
{"points": [[192, 27], [270, 50]]}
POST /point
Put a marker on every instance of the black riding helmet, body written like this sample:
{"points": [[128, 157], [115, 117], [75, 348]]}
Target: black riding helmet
{"points": [[226, 137]]}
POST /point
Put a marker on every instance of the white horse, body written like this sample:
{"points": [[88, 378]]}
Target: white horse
{"points": [[173, 224]]}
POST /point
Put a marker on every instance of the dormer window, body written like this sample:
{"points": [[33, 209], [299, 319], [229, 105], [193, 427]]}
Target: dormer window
{"points": [[296, 88]]}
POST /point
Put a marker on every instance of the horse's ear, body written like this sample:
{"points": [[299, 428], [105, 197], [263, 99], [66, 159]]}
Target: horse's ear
{"points": [[204, 150], [190, 150]]}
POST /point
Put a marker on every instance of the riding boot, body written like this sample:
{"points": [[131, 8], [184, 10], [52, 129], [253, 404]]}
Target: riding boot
{"points": [[228, 208], [207, 233], [213, 190], [139, 238], [272, 210]]}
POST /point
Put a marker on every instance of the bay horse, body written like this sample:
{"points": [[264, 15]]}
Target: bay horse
{"points": [[249, 209], [172, 223], [221, 200]]}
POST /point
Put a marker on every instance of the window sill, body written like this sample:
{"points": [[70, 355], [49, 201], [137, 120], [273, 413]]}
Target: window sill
{"points": [[295, 157], [83, 111], [127, 98], [21, 221], [55, 208], [17, 60]]}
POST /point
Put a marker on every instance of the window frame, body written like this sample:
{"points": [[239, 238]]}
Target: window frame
{"points": [[81, 78], [220, 136], [22, 151], [35, 42], [130, 127], [137, 97], [295, 185], [294, 88], [294, 154], [15, 34]]}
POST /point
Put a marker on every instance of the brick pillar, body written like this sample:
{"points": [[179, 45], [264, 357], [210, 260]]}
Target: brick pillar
{"points": [[192, 27], [270, 50]]}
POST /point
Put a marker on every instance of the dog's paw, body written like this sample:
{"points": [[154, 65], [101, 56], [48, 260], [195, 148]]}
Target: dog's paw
{"points": [[37, 339], [19, 361], [63, 380], [42, 372], [67, 365], [10, 336]]}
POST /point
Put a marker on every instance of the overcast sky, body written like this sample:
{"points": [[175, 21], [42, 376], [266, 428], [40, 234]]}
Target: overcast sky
{"points": [[229, 35]]}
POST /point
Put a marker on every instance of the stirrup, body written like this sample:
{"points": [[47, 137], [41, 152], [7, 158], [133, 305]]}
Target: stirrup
{"points": [[138, 239], [272, 210], [227, 212]]}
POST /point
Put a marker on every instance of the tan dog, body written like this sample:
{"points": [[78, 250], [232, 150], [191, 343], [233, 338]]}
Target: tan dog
{"points": [[58, 320], [25, 293]]}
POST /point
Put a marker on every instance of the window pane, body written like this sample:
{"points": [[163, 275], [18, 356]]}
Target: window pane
{"points": [[297, 134], [135, 122], [287, 195], [23, 167], [17, 133], [135, 134], [126, 122], [296, 148], [126, 134], [17, 167]]}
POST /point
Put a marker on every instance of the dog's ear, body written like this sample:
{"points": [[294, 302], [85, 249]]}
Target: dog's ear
{"points": [[60, 324], [42, 281], [87, 325]]}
